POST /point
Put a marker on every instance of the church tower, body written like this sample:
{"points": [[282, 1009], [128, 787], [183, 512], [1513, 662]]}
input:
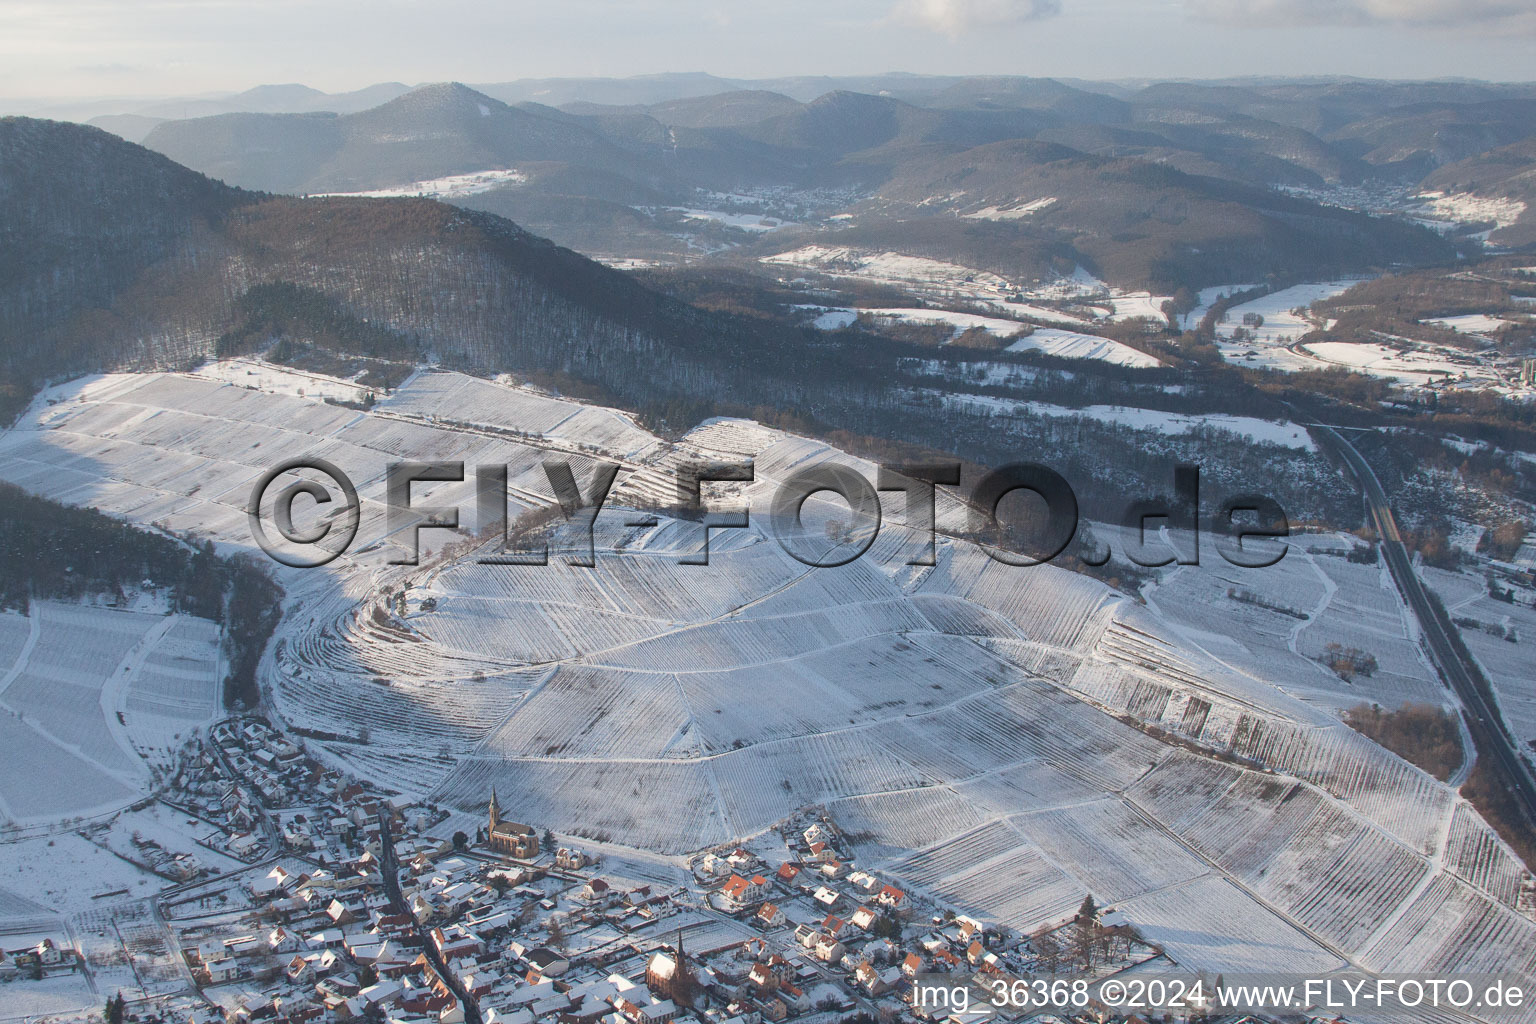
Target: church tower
{"points": [[495, 811], [668, 977]]}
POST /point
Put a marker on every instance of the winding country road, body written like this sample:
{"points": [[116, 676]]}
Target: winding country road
{"points": [[1494, 743]]}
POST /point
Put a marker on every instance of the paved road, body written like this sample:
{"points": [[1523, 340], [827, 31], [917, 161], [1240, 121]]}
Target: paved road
{"points": [[1494, 743], [389, 868]]}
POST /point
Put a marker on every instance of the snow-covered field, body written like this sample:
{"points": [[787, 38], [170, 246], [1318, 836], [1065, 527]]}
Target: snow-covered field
{"points": [[730, 219], [282, 380], [1457, 208], [27, 1000], [1133, 305], [1506, 663], [1268, 343], [894, 268], [962, 322], [1018, 211], [1402, 363], [1472, 323], [1349, 603], [1072, 345], [1255, 430], [1206, 299], [835, 319], [454, 186], [1051, 340], [454, 398], [69, 874], [964, 715], [1276, 342], [88, 695]]}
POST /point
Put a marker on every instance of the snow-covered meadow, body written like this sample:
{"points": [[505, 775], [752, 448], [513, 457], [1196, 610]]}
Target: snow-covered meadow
{"points": [[1284, 317], [1065, 344], [89, 697], [1285, 320], [1247, 428], [453, 186], [754, 222], [1274, 623], [1448, 210], [897, 269]]}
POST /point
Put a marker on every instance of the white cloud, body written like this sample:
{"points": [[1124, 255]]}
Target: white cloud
{"points": [[957, 17], [1515, 15]]}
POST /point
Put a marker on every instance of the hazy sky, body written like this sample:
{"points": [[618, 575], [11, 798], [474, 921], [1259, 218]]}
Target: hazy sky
{"points": [[178, 47]]}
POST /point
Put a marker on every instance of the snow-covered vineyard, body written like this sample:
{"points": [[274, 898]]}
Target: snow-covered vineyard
{"points": [[977, 729], [89, 697]]}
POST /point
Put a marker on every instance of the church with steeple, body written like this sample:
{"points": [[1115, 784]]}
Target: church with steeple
{"points": [[510, 838], [668, 977]]}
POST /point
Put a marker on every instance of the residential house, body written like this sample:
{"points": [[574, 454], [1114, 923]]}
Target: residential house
{"points": [[742, 891]]}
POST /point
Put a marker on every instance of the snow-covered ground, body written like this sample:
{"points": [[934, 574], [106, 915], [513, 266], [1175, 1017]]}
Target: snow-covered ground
{"points": [[1312, 597], [1285, 434], [1134, 305], [1285, 322], [88, 695], [281, 380], [1051, 340], [1072, 345], [1258, 431], [743, 221], [962, 322], [1472, 323], [894, 268], [1405, 364], [26, 1000], [1506, 663], [1458, 208], [969, 715], [1018, 211], [835, 319], [1080, 284], [979, 288], [1206, 299], [69, 874], [1276, 344], [1037, 312], [453, 186]]}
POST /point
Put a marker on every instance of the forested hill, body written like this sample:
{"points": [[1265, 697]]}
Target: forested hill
{"points": [[1173, 185], [117, 257], [197, 269], [82, 215]]}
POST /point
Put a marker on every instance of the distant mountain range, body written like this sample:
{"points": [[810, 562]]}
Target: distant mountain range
{"points": [[426, 133], [1164, 186], [1021, 206], [113, 254], [113, 257]]}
